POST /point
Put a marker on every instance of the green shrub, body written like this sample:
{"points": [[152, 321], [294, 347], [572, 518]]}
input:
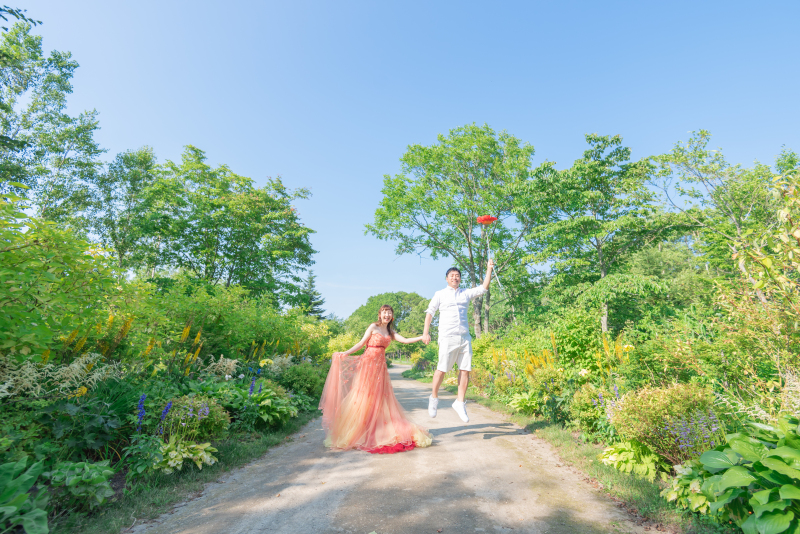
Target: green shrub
{"points": [[645, 415], [85, 485], [502, 384], [481, 379], [525, 403], [175, 451], [586, 412], [753, 479], [303, 378], [18, 507], [635, 458], [211, 418]]}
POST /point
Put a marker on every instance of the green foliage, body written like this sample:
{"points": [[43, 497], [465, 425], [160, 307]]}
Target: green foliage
{"points": [[199, 416], [644, 415], [635, 458], [409, 317], [142, 454], [752, 480], [85, 485], [176, 450], [304, 378], [434, 203], [311, 300], [525, 403], [82, 427], [586, 412], [18, 507], [480, 379], [51, 282]]}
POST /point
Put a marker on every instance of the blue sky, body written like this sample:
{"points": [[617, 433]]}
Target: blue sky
{"points": [[328, 95]]}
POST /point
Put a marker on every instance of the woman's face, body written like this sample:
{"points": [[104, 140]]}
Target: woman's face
{"points": [[386, 316]]}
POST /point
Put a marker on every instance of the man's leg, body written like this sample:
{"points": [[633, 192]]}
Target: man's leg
{"points": [[438, 377], [463, 382]]}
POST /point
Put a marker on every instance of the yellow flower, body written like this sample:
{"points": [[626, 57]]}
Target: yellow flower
{"points": [[627, 348], [560, 369], [81, 392], [583, 372], [265, 362]]}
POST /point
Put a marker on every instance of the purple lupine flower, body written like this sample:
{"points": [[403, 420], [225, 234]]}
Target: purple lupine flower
{"points": [[258, 371], [141, 412], [252, 386], [616, 390], [167, 408], [259, 388]]}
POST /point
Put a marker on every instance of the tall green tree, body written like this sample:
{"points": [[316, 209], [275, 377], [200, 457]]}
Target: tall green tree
{"points": [[409, 313], [123, 203], [601, 212], [725, 202], [433, 204], [311, 299], [47, 149], [216, 224]]}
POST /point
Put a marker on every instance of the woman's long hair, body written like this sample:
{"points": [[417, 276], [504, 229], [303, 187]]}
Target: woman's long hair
{"points": [[390, 325]]}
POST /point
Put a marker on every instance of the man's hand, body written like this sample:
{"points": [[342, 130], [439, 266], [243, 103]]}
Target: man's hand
{"points": [[426, 338], [490, 265]]}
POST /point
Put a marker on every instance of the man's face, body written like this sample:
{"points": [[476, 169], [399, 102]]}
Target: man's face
{"points": [[453, 279]]}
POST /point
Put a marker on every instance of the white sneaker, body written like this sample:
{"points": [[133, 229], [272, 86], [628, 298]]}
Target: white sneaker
{"points": [[433, 404], [461, 410]]}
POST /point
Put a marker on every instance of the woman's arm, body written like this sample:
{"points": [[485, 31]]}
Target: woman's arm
{"points": [[401, 339], [363, 341]]}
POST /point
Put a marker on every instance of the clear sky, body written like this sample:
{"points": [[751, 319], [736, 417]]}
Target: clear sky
{"points": [[328, 94]]}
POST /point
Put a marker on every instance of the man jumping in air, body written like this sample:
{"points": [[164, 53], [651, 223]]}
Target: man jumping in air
{"points": [[455, 343]]}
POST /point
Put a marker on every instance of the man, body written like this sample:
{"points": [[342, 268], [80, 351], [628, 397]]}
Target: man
{"points": [[454, 340]]}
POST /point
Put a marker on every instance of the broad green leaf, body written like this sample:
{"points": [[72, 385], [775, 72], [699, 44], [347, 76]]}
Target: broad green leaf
{"points": [[716, 460], [761, 497], [790, 491], [770, 507], [774, 522], [750, 449], [780, 467], [736, 476], [35, 522]]}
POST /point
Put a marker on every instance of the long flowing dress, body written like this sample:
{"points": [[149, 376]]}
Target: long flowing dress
{"points": [[359, 409]]}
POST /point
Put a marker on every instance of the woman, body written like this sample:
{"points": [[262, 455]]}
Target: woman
{"points": [[359, 409]]}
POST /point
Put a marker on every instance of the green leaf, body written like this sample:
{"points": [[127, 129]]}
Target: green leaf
{"points": [[750, 449], [781, 468], [716, 460], [35, 522], [774, 522], [770, 507], [790, 491], [736, 476]]}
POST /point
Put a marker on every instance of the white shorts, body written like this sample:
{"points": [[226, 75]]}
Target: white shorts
{"points": [[455, 349]]}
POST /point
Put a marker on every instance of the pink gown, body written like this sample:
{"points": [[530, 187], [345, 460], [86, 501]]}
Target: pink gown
{"points": [[359, 409]]}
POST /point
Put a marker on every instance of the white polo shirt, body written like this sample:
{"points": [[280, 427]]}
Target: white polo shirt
{"points": [[452, 305]]}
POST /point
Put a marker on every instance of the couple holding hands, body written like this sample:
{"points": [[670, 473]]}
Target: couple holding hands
{"points": [[359, 408]]}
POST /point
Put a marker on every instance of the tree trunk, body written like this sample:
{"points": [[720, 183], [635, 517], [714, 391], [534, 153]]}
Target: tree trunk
{"points": [[476, 316], [486, 300]]}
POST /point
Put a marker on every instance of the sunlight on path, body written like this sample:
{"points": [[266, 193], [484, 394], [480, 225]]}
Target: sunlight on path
{"points": [[485, 476]]}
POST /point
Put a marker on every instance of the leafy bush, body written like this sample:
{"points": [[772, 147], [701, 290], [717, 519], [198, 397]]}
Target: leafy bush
{"points": [[208, 419], [587, 413], [142, 454], [502, 384], [84, 484], [525, 403], [636, 458], [18, 507], [553, 390], [176, 450], [304, 378], [752, 479], [82, 426], [645, 415], [481, 379]]}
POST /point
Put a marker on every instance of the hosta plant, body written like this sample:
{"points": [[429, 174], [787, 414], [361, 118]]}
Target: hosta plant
{"points": [[84, 483], [175, 451], [525, 403], [636, 458], [753, 479], [18, 508]]}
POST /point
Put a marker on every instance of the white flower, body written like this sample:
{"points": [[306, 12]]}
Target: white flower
{"points": [[241, 376], [227, 377], [583, 372]]}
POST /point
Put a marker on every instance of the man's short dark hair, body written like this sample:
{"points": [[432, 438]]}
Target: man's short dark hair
{"points": [[451, 269]]}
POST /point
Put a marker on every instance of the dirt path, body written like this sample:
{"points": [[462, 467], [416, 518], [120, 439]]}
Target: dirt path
{"points": [[488, 475]]}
